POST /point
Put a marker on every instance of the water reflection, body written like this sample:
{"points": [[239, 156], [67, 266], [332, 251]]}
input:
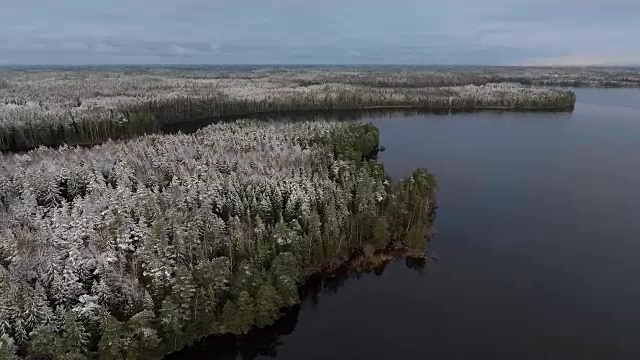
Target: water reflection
{"points": [[266, 341], [333, 115]]}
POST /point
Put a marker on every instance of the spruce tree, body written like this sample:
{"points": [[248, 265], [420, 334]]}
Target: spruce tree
{"points": [[73, 343], [44, 343]]}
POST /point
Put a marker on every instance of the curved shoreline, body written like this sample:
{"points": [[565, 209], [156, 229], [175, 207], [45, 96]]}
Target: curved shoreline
{"points": [[39, 112], [194, 125], [355, 265]]}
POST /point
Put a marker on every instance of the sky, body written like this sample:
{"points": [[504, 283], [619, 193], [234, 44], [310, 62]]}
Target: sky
{"points": [[477, 32]]}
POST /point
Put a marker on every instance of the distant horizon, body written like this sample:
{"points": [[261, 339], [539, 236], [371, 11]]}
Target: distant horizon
{"points": [[43, 65]]}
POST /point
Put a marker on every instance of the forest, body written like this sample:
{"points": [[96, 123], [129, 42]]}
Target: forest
{"points": [[436, 76], [135, 249], [123, 239], [86, 106]]}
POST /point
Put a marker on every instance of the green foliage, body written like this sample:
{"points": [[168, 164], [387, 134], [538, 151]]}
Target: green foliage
{"points": [[73, 342], [380, 235], [134, 340], [246, 278], [212, 278], [45, 342], [111, 345], [354, 144], [171, 321], [287, 288], [239, 315], [411, 207], [268, 304], [141, 337], [286, 264], [7, 348]]}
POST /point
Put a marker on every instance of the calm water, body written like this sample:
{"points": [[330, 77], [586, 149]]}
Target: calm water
{"points": [[538, 234]]}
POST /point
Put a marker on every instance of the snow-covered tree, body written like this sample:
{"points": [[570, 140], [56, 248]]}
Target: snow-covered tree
{"points": [[179, 236]]}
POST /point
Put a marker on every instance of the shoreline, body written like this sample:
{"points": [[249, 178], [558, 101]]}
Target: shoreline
{"points": [[356, 263], [184, 126]]}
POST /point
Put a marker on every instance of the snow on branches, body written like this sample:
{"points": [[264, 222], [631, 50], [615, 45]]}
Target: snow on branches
{"points": [[178, 236]]}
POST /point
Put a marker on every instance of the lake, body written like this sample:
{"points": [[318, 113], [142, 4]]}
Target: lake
{"points": [[538, 239]]}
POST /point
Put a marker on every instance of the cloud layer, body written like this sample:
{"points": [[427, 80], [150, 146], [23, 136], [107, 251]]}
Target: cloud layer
{"points": [[500, 32]]}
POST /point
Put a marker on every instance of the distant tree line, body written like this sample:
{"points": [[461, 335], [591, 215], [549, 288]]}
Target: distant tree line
{"points": [[53, 108]]}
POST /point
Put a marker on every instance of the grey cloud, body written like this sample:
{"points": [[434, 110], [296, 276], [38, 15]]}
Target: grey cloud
{"points": [[289, 31]]}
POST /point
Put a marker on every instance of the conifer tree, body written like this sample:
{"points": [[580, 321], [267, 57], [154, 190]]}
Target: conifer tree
{"points": [[7, 348], [268, 304], [73, 342], [111, 345], [142, 340], [45, 343], [171, 321], [238, 316]]}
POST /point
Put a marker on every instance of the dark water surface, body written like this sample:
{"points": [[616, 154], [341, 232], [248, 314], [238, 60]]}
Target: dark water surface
{"points": [[538, 234]]}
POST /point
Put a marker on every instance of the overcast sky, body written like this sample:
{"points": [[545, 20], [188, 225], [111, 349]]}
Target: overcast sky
{"points": [[500, 32]]}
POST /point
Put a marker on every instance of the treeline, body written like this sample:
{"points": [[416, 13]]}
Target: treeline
{"points": [[438, 76], [396, 78], [30, 126], [266, 341], [133, 250]]}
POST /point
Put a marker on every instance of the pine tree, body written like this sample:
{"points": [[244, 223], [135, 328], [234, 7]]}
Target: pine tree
{"points": [[268, 305], [88, 307], [66, 287], [238, 316], [380, 232], [212, 279], [286, 264], [246, 311], [287, 289], [331, 228], [245, 278]]}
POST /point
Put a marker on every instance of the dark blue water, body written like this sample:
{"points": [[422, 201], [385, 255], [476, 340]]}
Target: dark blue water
{"points": [[538, 234]]}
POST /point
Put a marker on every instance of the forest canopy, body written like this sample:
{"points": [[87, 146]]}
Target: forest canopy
{"points": [[131, 250]]}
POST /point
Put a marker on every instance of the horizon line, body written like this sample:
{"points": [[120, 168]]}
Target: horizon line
{"points": [[328, 64]]}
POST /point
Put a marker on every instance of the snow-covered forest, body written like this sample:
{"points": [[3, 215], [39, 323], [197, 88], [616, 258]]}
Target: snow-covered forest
{"points": [[437, 76], [52, 107], [134, 249]]}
